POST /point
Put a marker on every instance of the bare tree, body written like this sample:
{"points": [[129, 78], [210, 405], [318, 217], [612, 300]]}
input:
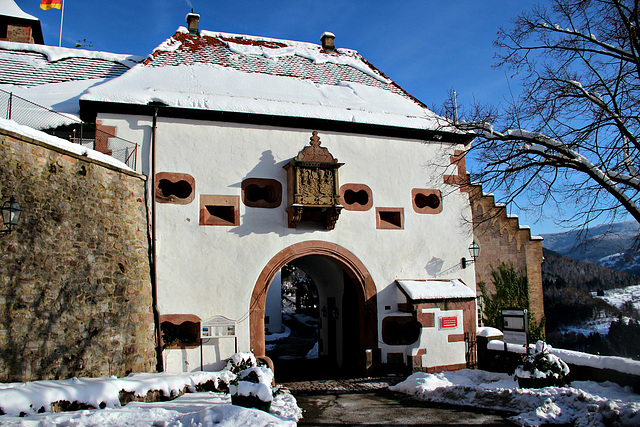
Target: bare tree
{"points": [[572, 135]]}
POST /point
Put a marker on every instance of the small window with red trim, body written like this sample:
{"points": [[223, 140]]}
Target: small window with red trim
{"points": [[219, 210], [390, 218]]}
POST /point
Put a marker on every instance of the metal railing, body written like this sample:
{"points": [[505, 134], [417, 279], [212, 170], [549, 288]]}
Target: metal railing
{"points": [[66, 126]]}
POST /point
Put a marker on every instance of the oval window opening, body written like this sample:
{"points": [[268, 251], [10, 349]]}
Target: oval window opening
{"points": [[181, 189], [352, 197], [255, 193], [427, 201]]}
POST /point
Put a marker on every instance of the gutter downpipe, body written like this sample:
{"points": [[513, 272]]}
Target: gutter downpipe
{"points": [[154, 284]]}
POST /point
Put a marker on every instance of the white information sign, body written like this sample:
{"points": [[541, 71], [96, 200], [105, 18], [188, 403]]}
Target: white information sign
{"points": [[511, 322], [217, 327], [515, 325], [515, 337]]}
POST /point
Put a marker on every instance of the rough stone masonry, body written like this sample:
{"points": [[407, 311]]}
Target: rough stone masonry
{"points": [[75, 291]]}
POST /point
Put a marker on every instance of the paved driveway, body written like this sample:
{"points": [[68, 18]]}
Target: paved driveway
{"points": [[368, 402], [388, 409]]}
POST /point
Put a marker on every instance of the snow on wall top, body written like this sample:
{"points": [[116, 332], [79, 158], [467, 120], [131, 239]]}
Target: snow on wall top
{"points": [[435, 289], [54, 141], [10, 8], [228, 72]]}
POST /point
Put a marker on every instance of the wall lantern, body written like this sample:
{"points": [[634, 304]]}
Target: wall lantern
{"points": [[324, 311], [474, 251], [11, 211]]}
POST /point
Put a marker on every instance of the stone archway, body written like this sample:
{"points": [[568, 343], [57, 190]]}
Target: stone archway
{"points": [[365, 291]]}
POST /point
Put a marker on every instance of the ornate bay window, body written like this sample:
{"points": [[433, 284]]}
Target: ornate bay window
{"points": [[313, 191]]}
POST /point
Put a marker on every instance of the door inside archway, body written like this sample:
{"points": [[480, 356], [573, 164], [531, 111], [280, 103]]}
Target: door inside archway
{"points": [[319, 311]]}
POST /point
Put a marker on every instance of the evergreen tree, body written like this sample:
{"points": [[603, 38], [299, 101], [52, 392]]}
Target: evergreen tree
{"points": [[512, 291]]}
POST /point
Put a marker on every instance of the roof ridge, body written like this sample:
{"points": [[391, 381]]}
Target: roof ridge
{"points": [[310, 51], [55, 53]]}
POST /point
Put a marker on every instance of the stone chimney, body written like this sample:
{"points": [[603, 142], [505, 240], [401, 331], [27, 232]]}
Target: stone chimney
{"points": [[192, 22], [328, 41]]}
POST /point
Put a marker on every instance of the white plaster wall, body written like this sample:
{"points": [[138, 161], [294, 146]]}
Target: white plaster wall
{"points": [[136, 129], [210, 270], [274, 305], [439, 351]]}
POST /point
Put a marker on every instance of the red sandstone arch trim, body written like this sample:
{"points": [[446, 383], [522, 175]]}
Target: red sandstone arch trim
{"points": [[354, 268]]}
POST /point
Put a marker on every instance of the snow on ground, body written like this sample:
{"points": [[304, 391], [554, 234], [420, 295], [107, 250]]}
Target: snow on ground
{"points": [[584, 403], [196, 409], [306, 320], [278, 336], [616, 297], [619, 296], [313, 353], [193, 409], [600, 326], [621, 261]]}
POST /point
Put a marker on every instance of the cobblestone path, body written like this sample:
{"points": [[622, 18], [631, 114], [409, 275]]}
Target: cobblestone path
{"points": [[342, 385]]}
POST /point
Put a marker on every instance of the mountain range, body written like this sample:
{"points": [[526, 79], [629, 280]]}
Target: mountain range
{"points": [[612, 245]]}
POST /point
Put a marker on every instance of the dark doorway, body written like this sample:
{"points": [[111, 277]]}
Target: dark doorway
{"points": [[320, 322], [339, 274]]}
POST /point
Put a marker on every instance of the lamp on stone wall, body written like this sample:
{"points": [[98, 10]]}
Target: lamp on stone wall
{"points": [[474, 251], [11, 211]]}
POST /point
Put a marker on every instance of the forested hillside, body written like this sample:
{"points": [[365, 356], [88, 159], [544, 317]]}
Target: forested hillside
{"points": [[570, 308], [611, 245], [582, 275]]}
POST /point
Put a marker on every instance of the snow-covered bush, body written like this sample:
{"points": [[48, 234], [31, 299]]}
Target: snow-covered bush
{"points": [[541, 369], [241, 361], [252, 386]]}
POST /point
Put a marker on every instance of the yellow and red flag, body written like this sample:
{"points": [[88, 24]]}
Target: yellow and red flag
{"points": [[51, 4]]}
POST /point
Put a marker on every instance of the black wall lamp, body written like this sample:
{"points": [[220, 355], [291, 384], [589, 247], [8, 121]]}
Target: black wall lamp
{"points": [[11, 211], [474, 251]]}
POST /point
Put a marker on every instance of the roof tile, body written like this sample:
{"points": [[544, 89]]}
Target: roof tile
{"points": [[215, 50], [26, 68]]}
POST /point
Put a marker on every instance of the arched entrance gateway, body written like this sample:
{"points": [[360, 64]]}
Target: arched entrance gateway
{"points": [[358, 306]]}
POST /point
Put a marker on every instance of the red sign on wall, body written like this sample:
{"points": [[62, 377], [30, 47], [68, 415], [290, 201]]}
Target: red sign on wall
{"points": [[450, 322]]}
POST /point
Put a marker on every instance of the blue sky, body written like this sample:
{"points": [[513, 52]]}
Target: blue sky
{"points": [[427, 47]]}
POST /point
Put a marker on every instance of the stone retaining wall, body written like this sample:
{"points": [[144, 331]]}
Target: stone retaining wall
{"points": [[507, 362], [75, 292]]}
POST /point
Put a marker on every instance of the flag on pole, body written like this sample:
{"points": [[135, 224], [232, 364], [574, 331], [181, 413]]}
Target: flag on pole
{"points": [[51, 4]]}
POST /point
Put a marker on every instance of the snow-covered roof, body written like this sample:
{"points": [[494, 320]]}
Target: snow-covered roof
{"points": [[435, 289], [27, 64], [54, 78], [255, 75], [60, 97], [10, 8]]}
